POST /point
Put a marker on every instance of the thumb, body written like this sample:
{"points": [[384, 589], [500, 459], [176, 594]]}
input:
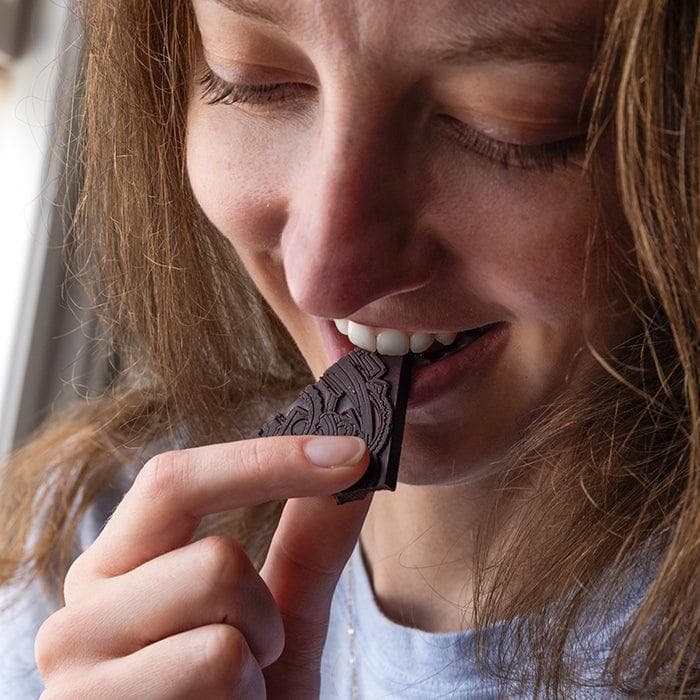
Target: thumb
{"points": [[311, 546]]}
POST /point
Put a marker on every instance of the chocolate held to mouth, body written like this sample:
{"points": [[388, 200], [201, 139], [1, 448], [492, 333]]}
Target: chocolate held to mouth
{"points": [[363, 394]]}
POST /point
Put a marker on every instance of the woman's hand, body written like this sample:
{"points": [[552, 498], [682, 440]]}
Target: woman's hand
{"points": [[151, 615]]}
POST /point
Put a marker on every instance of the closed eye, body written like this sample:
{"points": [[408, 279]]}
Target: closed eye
{"points": [[216, 90], [540, 156], [543, 156]]}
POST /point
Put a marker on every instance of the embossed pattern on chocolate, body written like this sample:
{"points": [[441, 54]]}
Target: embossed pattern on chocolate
{"points": [[363, 394]]}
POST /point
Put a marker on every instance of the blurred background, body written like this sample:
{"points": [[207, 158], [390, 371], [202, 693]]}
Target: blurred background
{"points": [[46, 355]]}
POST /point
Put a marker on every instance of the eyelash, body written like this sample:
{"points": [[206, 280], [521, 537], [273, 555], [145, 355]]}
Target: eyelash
{"points": [[539, 156], [542, 156], [216, 90]]}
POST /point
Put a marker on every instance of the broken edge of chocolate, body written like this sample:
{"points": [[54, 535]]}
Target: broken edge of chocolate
{"points": [[363, 394]]}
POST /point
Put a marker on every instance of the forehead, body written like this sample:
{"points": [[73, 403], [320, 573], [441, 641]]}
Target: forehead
{"points": [[549, 30]]}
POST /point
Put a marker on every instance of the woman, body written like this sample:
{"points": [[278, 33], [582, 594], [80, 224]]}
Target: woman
{"points": [[255, 171]]}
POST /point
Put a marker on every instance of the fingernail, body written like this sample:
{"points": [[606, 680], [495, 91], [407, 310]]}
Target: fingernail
{"points": [[335, 451]]}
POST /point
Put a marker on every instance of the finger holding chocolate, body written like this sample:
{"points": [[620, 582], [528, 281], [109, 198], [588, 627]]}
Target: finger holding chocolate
{"points": [[363, 394]]}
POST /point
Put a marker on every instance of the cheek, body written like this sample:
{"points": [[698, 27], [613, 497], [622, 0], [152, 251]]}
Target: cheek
{"points": [[237, 179], [236, 176], [542, 252], [520, 237]]}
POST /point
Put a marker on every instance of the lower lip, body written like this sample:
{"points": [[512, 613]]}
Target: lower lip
{"points": [[435, 380]]}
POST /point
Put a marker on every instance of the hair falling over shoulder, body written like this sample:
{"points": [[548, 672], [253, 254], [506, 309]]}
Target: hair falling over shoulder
{"points": [[616, 472]]}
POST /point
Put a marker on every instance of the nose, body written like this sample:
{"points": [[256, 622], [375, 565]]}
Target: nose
{"points": [[352, 235]]}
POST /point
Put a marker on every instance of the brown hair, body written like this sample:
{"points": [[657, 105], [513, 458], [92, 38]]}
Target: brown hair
{"points": [[615, 475]]}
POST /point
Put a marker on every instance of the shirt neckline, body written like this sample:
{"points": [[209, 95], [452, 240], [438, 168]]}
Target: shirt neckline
{"points": [[440, 662]]}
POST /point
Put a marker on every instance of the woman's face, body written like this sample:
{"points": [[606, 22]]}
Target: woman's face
{"points": [[415, 166]]}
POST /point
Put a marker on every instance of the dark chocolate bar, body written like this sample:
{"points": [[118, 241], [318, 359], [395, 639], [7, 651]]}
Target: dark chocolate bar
{"points": [[363, 394]]}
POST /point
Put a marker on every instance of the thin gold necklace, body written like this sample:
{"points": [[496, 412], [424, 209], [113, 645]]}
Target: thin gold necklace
{"points": [[351, 631]]}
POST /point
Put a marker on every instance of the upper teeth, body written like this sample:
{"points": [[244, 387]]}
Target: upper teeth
{"points": [[389, 341]]}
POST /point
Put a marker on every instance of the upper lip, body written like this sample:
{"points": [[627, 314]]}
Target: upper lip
{"points": [[418, 326]]}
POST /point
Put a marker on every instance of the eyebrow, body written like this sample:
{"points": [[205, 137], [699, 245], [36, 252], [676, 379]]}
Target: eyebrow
{"points": [[551, 42], [251, 9], [546, 42]]}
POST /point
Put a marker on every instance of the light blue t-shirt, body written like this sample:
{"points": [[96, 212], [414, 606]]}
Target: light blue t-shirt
{"points": [[369, 656], [366, 654]]}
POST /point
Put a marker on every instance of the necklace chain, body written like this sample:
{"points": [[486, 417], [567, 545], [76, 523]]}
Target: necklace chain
{"points": [[351, 632]]}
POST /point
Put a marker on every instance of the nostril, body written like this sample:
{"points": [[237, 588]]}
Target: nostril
{"points": [[332, 285], [334, 280]]}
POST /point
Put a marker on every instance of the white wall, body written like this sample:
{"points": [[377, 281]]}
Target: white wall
{"points": [[26, 111]]}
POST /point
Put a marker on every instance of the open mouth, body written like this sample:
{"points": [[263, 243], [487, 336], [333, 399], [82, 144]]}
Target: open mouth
{"points": [[462, 353], [437, 351]]}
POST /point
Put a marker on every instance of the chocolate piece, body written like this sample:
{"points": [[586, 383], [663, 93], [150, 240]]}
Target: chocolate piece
{"points": [[363, 394]]}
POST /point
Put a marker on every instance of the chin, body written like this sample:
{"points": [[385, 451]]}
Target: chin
{"points": [[423, 464]]}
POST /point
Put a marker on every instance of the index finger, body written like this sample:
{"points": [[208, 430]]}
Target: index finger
{"points": [[175, 490]]}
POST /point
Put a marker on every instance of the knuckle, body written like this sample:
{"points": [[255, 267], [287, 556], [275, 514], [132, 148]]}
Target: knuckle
{"points": [[223, 561], [273, 648], [308, 649], [225, 654], [160, 475], [257, 458], [50, 642], [276, 638]]}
